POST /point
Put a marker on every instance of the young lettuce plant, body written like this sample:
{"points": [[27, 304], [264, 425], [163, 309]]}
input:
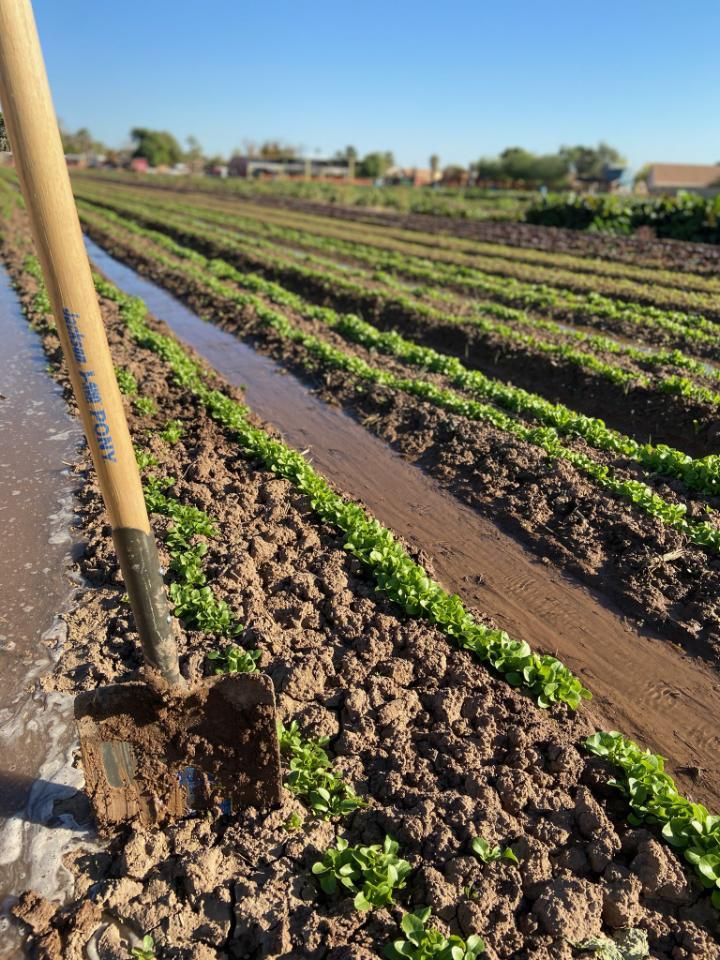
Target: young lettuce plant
{"points": [[126, 382], [488, 854], [146, 951], [653, 798], [426, 943], [234, 660], [631, 944], [172, 431], [311, 776], [372, 873], [145, 405]]}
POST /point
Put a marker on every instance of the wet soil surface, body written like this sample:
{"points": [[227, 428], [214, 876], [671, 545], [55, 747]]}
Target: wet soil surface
{"points": [[643, 411], [442, 750], [630, 557], [39, 443]]}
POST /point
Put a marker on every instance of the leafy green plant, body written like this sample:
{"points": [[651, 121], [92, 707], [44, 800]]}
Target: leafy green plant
{"points": [[126, 382], [426, 943], [405, 581], [293, 823], [146, 951], [145, 405], [172, 431], [311, 775], [145, 460], [488, 854], [234, 660], [654, 799], [373, 874]]}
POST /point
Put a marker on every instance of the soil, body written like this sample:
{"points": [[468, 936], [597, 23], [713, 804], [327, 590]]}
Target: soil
{"points": [[559, 514], [643, 249], [639, 410], [442, 750]]}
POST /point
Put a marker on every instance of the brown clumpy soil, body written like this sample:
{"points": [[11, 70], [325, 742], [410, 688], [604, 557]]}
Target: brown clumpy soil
{"points": [[646, 412], [644, 249], [649, 569], [442, 750]]}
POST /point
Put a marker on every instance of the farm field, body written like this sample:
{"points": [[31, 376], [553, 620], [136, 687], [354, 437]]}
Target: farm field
{"points": [[465, 515]]}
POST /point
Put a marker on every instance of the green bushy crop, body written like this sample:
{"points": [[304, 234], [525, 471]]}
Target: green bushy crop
{"points": [[373, 873], [312, 778], [654, 799], [422, 942]]}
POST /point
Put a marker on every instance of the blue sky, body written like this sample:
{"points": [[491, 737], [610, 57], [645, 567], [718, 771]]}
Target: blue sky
{"points": [[463, 79]]}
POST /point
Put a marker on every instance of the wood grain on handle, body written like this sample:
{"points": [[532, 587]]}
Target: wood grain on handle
{"points": [[43, 174]]}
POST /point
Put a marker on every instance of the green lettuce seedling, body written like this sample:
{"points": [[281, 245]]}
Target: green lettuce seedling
{"points": [[146, 951], [126, 382], [423, 943], [145, 405], [483, 851], [372, 873], [172, 431], [234, 660], [654, 799], [311, 776], [625, 945]]}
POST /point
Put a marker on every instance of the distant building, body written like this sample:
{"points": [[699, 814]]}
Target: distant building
{"points": [[260, 167], [608, 181], [77, 160], [695, 177], [407, 176], [139, 164]]}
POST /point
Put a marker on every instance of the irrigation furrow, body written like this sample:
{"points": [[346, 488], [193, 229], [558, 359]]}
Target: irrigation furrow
{"points": [[640, 496]]}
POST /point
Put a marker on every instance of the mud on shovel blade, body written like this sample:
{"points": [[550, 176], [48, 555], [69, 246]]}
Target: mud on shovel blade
{"points": [[151, 750], [150, 755]]}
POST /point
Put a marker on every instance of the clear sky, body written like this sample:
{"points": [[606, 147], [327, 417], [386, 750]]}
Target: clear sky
{"points": [[464, 78]]}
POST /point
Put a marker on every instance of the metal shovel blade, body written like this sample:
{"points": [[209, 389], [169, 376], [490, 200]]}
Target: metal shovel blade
{"points": [[151, 755]]}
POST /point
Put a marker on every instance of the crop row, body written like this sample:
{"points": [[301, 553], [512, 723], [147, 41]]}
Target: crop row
{"points": [[230, 236], [654, 799], [396, 574], [639, 495], [317, 220], [509, 289], [316, 233], [405, 259], [687, 216], [337, 286], [440, 242], [701, 475]]}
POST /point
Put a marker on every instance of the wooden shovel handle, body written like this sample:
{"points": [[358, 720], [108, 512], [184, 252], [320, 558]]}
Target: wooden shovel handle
{"points": [[42, 170]]}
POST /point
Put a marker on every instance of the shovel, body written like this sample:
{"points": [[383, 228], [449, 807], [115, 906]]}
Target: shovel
{"points": [[153, 749]]}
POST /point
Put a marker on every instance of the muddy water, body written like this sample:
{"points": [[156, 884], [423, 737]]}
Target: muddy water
{"points": [[642, 685], [38, 441]]}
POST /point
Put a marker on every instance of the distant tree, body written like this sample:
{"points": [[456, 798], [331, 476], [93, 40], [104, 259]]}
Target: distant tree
{"points": [[454, 173], [215, 161], [349, 153], [642, 175], [277, 150], [4, 142], [159, 147], [81, 141], [374, 165], [518, 164], [590, 161], [194, 154], [434, 165]]}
